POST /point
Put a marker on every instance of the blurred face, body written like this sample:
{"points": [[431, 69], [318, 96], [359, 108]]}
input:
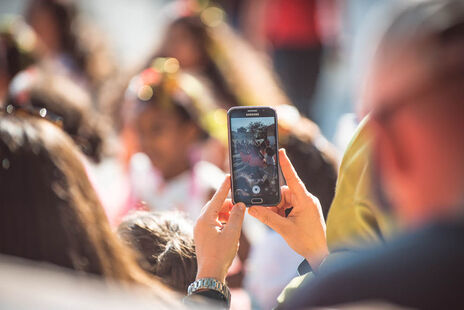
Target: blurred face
{"points": [[46, 29], [419, 160], [181, 44], [166, 140]]}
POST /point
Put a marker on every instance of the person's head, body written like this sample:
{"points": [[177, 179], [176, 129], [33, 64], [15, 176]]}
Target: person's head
{"points": [[416, 96], [164, 242], [170, 112], [49, 211], [36, 91]]}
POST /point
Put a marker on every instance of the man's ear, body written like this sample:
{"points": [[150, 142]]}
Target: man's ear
{"points": [[389, 153]]}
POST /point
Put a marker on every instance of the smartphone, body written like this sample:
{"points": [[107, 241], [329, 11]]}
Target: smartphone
{"points": [[254, 156]]}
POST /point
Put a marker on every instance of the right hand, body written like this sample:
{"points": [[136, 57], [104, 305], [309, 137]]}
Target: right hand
{"points": [[304, 229]]}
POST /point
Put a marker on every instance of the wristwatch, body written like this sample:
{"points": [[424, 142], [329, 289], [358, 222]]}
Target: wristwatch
{"points": [[205, 284]]}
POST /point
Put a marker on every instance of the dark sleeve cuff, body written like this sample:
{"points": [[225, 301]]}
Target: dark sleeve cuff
{"points": [[304, 268]]}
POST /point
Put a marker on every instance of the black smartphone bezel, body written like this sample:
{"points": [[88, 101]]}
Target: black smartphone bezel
{"points": [[241, 112]]}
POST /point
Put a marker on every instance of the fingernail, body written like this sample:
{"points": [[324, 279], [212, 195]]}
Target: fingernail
{"points": [[241, 205]]}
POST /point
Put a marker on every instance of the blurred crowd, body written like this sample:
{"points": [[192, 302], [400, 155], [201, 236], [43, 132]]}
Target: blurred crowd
{"points": [[114, 171]]}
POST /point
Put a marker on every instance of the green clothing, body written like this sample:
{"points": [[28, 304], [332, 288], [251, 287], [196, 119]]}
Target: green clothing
{"points": [[354, 219]]}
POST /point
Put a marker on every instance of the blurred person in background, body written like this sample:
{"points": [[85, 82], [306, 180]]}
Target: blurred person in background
{"points": [[172, 117], [164, 244], [68, 44], [175, 120], [17, 43], [49, 211]]}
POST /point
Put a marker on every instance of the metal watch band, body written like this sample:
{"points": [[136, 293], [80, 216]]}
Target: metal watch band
{"points": [[211, 284]]}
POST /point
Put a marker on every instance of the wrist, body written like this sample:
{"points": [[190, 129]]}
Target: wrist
{"points": [[217, 273], [316, 260]]}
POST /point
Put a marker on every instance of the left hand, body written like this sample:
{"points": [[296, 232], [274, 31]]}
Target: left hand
{"points": [[217, 233]]}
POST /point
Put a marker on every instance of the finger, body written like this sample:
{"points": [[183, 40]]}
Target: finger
{"points": [[234, 226], [226, 206], [293, 180], [271, 219], [224, 213], [214, 206]]}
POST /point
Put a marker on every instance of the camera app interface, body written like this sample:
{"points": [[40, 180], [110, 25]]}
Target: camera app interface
{"points": [[254, 159]]}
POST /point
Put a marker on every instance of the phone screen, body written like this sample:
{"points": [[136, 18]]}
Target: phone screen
{"points": [[254, 156]]}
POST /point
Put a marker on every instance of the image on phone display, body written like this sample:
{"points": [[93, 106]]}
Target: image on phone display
{"points": [[254, 160]]}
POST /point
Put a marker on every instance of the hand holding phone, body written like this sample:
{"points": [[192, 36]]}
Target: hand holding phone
{"points": [[254, 160], [304, 227]]}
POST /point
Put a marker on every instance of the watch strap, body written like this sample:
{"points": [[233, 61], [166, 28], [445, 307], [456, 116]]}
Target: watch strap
{"points": [[200, 285]]}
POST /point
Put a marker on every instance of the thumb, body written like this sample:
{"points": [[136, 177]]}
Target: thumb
{"points": [[234, 225], [268, 217]]}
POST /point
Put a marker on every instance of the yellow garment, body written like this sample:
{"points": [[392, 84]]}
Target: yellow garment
{"points": [[354, 219]]}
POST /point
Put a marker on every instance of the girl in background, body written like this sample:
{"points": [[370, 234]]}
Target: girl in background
{"points": [[172, 118], [177, 126]]}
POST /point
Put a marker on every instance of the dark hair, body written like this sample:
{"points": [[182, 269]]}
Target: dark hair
{"points": [[12, 58], [49, 211], [177, 92], [72, 104], [164, 241], [166, 102]]}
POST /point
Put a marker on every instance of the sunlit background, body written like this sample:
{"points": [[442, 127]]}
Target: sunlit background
{"points": [[134, 28]]}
